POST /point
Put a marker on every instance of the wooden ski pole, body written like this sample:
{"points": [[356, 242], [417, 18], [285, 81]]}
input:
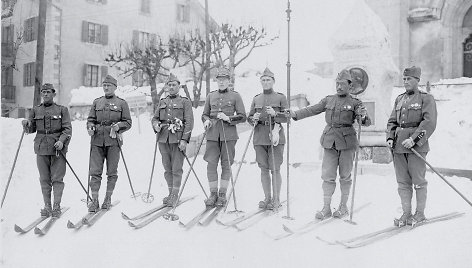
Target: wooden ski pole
{"points": [[148, 198], [13, 167], [355, 173], [230, 170]]}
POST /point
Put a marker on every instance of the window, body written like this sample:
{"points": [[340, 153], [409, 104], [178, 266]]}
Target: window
{"points": [[91, 75], [7, 34], [29, 72], [31, 29], [146, 6], [143, 39], [183, 13], [139, 79], [94, 33], [7, 76]]}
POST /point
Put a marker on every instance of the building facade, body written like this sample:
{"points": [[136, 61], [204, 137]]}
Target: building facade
{"points": [[79, 36]]}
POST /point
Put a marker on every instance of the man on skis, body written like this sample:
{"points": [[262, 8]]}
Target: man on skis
{"points": [[109, 117], [267, 112], [410, 125], [338, 140], [223, 109], [173, 123], [53, 128]]}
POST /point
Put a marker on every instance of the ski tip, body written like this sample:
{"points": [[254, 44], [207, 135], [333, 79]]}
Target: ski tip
{"points": [[18, 229], [70, 225], [38, 231], [131, 224], [124, 216], [181, 224], [287, 229]]}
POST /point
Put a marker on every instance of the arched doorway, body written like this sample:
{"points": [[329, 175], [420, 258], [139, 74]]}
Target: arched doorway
{"points": [[467, 48]]}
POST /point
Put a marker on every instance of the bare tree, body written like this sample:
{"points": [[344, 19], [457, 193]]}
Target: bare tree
{"points": [[150, 58], [233, 45], [12, 49]]}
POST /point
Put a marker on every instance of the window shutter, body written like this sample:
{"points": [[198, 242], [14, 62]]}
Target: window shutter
{"points": [[34, 27], [25, 31], [86, 82], [178, 12], [104, 72], [104, 36], [187, 13], [85, 31], [135, 38], [10, 76], [33, 74], [153, 39], [12, 33], [24, 74]]}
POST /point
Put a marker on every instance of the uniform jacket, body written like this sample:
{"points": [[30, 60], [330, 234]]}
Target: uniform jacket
{"points": [[278, 102], [167, 111], [231, 104], [51, 124], [411, 115], [340, 113], [104, 113]]}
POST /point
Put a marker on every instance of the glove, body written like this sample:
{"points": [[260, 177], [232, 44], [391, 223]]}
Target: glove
{"points": [[58, 145], [207, 124], [116, 127], [275, 134], [362, 112], [390, 143], [223, 117], [408, 143], [24, 123], [156, 126], [91, 130], [182, 145], [270, 111], [292, 113], [256, 117]]}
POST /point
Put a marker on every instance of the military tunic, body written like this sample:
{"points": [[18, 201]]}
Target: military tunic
{"points": [[261, 137], [51, 122], [222, 135], [170, 135], [105, 112], [412, 114], [339, 137]]}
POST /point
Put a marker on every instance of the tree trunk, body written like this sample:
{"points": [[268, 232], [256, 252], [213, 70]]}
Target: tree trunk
{"points": [[196, 95], [155, 96]]}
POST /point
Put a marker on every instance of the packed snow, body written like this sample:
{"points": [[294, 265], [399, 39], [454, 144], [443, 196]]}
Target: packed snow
{"points": [[112, 243]]}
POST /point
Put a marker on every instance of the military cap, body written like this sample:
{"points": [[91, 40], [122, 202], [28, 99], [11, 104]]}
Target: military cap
{"points": [[172, 77], [110, 79], [412, 71], [344, 75], [223, 72], [48, 86], [268, 73]]}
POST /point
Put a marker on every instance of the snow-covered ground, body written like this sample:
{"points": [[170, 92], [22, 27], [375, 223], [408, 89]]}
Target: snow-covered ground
{"points": [[112, 243]]}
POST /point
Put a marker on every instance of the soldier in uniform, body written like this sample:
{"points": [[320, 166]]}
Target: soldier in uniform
{"points": [[109, 117], [53, 128], [268, 112], [173, 123], [223, 109], [411, 123], [338, 140]]}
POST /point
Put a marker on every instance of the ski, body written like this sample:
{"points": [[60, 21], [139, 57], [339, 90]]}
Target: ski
{"points": [[44, 230], [80, 223], [30, 227], [241, 218], [390, 232], [144, 214], [212, 216], [92, 220], [195, 219], [243, 225], [311, 225], [157, 215]]}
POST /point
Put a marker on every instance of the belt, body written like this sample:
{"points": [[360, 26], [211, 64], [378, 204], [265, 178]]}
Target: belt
{"points": [[340, 125], [266, 123], [409, 125], [105, 123], [48, 132]]}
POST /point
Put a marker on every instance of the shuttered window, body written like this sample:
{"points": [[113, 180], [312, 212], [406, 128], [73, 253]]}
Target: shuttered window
{"points": [[146, 6], [91, 75], [94, 33], [29, 74], [31, 29], [183, 12]]}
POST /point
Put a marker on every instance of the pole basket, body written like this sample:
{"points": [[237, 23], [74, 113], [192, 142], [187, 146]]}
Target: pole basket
{"points": [[147, 198]]}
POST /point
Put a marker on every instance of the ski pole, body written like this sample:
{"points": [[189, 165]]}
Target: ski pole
{"points": [[444, 179], [171, 215], [126, 168], [148, 198], [88, 175], [13, 167], [68, 164], [230, 170], [195, 173], [241, 164], [274, 172], [355, 173]]}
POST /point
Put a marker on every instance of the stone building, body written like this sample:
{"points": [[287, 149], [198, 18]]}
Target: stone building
{"points": [[79, 36]]}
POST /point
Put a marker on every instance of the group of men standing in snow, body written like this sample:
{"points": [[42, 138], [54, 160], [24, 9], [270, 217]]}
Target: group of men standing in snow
{"points": [[411, 123]]}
